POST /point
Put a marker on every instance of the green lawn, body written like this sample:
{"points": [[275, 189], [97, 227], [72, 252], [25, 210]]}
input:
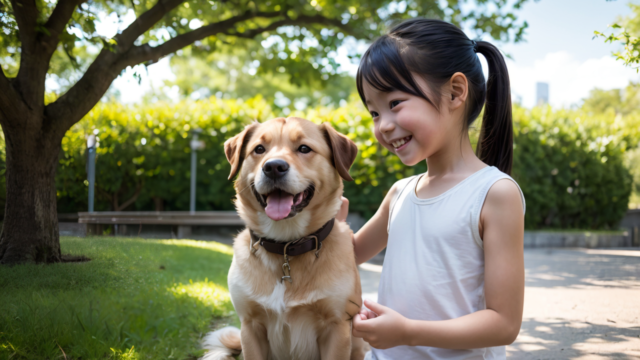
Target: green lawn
{"points": [[136, 299]]}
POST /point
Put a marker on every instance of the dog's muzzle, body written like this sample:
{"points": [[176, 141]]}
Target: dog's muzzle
{"points": [[277, 202]]}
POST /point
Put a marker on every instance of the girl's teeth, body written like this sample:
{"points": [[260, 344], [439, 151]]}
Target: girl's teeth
{"points": [[397, 144]]}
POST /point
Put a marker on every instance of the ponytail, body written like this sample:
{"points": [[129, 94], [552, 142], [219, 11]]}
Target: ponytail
{"points": [[495, 145], [435, 50]]}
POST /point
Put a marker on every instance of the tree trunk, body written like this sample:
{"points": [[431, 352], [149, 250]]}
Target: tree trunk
{"points": [[30, 232]]}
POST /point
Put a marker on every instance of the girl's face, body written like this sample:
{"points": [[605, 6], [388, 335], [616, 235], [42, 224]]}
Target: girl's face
{"points": [[408, 125]]}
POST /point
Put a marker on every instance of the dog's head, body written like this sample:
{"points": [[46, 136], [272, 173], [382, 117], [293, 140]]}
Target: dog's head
{"points": [[290, 170]]}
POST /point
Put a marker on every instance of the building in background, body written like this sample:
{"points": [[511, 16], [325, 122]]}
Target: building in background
{"points": [[542, 93]]}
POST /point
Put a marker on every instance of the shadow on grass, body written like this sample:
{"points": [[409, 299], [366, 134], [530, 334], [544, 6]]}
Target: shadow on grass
{"points": [[137, 299], [573, 340]]}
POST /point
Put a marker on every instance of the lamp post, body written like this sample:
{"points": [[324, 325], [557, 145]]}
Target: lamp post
{"points": [[91, 168], [195, 145]]}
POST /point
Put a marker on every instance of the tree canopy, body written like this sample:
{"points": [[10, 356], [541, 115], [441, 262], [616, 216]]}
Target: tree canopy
{"points": [[299, 36]]}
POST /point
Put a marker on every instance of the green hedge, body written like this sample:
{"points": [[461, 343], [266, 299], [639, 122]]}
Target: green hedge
{"points": [[568, 163], [144, 152], [570, 167]]}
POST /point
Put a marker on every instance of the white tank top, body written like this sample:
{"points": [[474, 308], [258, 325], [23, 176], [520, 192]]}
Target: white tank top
{"points": [[434, 264]]}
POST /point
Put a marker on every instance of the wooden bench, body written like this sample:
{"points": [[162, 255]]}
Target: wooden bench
{"points": [[184, 220]]}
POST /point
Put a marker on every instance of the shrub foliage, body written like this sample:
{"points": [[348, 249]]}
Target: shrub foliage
{"points": [[569, 163]]}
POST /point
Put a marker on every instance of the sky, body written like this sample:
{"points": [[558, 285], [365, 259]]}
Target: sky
{"points": [[559, 49]]}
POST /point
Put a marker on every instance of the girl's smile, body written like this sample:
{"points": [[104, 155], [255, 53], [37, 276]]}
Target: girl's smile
{"points": [[401, 143]]}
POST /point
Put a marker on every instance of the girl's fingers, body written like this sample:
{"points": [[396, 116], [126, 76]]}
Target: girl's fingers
{"points": [[344, 210], [371, 315], [360, 324], [375, 307]]}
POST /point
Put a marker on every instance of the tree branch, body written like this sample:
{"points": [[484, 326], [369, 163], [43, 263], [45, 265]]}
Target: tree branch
{"points": [[26, 14], [58, 20], [126, 39], [145, 52], [300, 20], [144, 22], [131, 200], [10, 102]]}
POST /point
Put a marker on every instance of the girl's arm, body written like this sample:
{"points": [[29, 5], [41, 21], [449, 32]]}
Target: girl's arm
{"points": [[502, 230], [372, 237]]}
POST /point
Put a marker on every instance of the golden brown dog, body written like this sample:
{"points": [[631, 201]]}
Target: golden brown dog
{"points": [[297, 306]]}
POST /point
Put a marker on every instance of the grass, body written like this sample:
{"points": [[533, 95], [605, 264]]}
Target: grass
{"points": [[136, 299]]}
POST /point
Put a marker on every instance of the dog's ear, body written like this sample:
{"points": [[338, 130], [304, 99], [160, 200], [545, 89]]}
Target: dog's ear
{"points": [[234, 148], [343, 149]]}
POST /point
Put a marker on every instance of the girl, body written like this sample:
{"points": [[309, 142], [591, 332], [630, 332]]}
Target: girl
{"points": [[452, 285]]}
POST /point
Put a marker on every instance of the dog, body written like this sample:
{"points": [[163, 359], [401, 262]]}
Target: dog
{"points": [[293, 281]]}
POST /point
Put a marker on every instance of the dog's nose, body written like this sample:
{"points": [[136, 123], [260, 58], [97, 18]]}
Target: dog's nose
{"points": [[275, 168]]}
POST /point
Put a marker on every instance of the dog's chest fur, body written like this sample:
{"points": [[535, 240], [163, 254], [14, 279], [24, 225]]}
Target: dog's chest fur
{"points": [[294, 313]]}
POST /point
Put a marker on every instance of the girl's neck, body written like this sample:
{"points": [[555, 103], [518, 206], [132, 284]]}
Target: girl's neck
{"points": [[456, 157]]}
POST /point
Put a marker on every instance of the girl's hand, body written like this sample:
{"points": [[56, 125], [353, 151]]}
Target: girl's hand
{"points": [[381, 327], [344, 210]]}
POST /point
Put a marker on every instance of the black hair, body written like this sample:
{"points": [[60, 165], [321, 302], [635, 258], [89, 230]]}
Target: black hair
{"points": [[435, 50]]}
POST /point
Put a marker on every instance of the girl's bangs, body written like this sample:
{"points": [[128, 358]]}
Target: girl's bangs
{"points": [[385, 70]]}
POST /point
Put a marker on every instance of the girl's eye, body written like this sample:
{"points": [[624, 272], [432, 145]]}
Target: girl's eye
{"points": [[394, 103], [259, 149], [374, 114], [304, 149]]}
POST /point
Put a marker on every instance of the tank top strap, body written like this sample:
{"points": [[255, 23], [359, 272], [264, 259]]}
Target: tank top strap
{"points": [[401, 185]]}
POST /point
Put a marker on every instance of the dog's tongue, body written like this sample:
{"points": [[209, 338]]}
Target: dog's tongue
{"points": [[279, 205]]}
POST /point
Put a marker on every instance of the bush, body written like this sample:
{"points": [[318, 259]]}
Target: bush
{"points": [[144, 155], [569, 163], [570, 167]]}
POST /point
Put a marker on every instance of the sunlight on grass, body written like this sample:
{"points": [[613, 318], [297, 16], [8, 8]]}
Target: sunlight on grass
{"points": [[136, 299], [128, 354], [207, 292], [215, 246]]}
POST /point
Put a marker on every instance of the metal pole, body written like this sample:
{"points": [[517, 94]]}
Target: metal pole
{"points": [[192, 199], [91, 169]]}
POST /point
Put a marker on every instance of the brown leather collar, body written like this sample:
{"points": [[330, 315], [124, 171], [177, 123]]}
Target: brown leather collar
{"points": [[296, 247]]}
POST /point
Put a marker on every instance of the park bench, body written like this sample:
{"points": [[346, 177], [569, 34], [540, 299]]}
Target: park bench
{"points": [[182, 221]]}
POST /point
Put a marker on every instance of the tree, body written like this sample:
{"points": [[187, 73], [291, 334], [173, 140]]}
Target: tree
{"points": [[621, 101], [234, 74], [38, 34], [627, 33]]}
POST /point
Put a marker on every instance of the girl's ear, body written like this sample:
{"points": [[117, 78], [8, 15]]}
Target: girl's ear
{"points": [[459, 88]]}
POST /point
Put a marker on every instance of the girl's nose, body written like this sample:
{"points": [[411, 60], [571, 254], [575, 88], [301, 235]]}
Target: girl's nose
{"points": [[386, 125]]}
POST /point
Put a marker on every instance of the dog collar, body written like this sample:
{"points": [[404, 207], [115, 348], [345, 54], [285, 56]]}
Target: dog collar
{"points": [[292, 248], [296, 247]]}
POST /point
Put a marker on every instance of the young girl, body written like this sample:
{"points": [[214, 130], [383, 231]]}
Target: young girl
{"points": [[452, 284]]}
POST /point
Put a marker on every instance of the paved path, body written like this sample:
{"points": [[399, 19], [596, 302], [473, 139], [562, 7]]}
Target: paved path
{"points": [[579, 304]]}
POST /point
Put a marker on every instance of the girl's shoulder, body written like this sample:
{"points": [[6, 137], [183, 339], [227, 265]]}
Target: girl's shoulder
{"points": [[400, 186]]}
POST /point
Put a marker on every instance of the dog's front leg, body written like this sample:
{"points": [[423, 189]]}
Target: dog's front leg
{"points": [[255, 345], [335, 341]]}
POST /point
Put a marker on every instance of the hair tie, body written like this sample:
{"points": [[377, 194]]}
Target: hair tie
{"points": [[475, 45]]}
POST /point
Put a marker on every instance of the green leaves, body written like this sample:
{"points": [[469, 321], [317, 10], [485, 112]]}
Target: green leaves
{"points": [[303, 36], [570, 166], [626, 32]]}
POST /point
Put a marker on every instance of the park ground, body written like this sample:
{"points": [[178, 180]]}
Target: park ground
{"points": [[579, 304], [154, 299]]}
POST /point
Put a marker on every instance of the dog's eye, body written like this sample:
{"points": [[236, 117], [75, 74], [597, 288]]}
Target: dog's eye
{"points": [[259, 149], [304, 149]]}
